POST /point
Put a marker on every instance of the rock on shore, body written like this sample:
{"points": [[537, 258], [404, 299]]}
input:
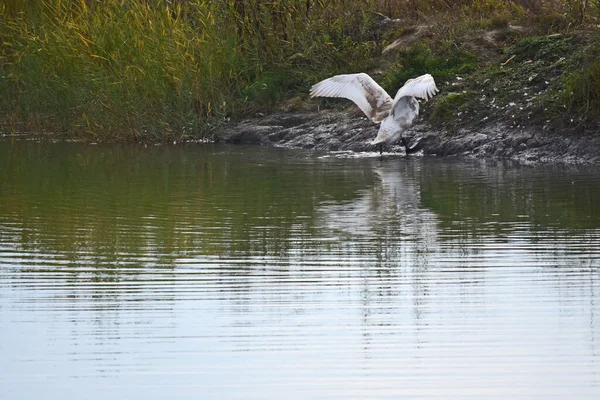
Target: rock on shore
{"points": [[335, 130]]}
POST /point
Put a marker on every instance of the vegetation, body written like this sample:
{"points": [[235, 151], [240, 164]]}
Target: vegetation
{"points": [[155, 69], [549, 81], [164, 69]]}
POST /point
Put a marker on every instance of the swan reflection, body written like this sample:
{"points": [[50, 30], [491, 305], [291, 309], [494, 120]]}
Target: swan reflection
{"points": [[388, 215]]}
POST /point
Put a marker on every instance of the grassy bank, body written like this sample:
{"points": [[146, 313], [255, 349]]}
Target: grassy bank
{"points": [[155, 69], [164, 69]]}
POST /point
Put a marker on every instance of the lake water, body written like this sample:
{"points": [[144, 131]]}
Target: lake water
{"points": [[214, 272]]}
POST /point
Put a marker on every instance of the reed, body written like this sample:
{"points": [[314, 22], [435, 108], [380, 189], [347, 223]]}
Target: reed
{"points": [[582, 84], [159, 69], [165, 69]]}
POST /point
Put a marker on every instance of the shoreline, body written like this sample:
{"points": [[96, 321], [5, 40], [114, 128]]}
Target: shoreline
{"points": [[329, 130], [332, 130]]}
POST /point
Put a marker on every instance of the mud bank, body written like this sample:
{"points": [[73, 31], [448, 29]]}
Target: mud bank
{"points": [[333, 131]]}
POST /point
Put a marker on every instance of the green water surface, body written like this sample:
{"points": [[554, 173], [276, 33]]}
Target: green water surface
{"points": [[232, 272]]}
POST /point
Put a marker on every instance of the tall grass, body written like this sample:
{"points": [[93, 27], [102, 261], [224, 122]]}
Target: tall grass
{"points": [[150, 69], [582, 84]]}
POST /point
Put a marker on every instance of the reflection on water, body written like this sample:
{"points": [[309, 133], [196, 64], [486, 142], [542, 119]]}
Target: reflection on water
{"points": [[251, 273]]}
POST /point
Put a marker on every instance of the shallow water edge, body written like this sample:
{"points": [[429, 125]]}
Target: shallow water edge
{"points": [[332, 131]]}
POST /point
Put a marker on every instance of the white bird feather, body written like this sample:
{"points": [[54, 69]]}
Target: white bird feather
{"points": [[422, 87], [395, 115], [361, 89]]}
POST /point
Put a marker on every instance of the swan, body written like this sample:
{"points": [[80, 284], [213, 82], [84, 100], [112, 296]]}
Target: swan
{"points": [[395, 115]]}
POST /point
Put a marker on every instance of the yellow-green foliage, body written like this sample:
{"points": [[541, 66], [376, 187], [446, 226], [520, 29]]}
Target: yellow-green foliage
{"points": [[446, 107], [575, 11], [94, 69], [583, 83], [156, 68]]}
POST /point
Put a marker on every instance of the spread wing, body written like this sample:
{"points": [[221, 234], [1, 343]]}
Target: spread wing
{"points": [[422, 87], [361, 89]]}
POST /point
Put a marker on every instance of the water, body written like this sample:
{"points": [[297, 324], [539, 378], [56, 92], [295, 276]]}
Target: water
{"points": [[250, 273]]}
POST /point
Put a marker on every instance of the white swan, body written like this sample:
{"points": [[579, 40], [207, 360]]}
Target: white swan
{"points": [[395, 115]]}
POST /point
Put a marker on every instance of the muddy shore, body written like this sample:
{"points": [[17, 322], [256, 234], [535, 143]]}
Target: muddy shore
{"points": [[511, 105], [328, 130]]}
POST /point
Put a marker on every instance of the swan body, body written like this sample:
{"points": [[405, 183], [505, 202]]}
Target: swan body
{"points": [[395, 114]]}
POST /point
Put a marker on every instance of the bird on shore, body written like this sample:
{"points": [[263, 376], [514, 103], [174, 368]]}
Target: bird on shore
{"points": [[395, 114]]}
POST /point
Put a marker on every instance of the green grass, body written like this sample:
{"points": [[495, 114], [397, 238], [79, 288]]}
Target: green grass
{"points": [[582, 82], [446, 106], [148, 70], [444, 63], [542, 79], [116, 69]]}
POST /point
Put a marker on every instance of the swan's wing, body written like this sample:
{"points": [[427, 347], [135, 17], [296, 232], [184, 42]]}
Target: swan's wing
{"points": [[361, 89], [422, 87]]}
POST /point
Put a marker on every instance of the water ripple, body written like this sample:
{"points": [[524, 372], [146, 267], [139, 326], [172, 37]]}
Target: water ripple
{"points": [[238, 273]]}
